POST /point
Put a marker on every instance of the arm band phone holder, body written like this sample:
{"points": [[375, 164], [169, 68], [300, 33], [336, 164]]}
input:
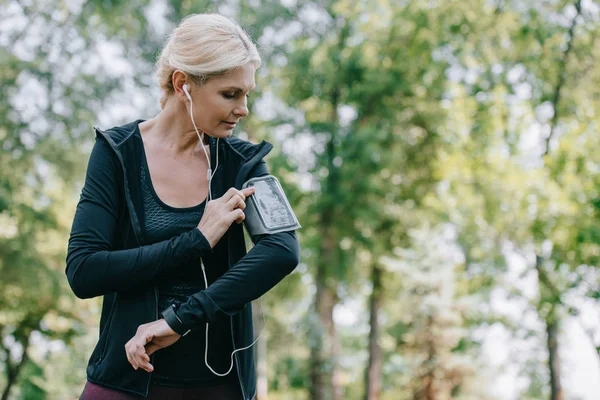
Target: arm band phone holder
{"points": [[268, 210]]}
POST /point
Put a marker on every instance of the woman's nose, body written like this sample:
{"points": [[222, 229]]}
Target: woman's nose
{"points": [[241, 112]]}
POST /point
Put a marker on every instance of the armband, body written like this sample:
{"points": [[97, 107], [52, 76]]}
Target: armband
{"points": [[268, 210]]}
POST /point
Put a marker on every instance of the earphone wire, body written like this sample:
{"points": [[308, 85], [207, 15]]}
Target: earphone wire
{"points": [[209, 177], [235, 350]]}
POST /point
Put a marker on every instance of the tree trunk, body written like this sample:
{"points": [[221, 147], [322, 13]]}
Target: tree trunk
{"points": [[323, 336], [426, 385], [551, 321], [325, 378], [336, 378], [426, 389], [374, 367], [556, 392], [561, 76], [12, 372], [322, 366], [260, 354]]}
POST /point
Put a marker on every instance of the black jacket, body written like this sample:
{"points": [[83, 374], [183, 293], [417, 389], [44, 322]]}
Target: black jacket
{"points": [[108, 256]]}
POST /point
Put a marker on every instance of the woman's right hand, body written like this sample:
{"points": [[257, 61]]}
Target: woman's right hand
{"points": [[220, 213]]}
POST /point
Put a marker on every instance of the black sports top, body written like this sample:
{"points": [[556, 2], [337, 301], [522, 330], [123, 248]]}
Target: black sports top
{"points": [[182, 364]]}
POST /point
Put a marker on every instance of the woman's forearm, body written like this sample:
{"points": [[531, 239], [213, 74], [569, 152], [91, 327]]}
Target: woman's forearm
{"points": [[94, 271], [266, 264]]}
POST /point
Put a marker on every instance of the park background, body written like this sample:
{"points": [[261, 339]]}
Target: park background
{"points": [[442, 156]]}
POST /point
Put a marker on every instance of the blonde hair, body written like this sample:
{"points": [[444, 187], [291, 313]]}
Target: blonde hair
{"points": [[204, 46]]}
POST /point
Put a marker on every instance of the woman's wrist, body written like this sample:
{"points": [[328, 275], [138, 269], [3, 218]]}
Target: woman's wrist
{"points": [[207, 237], [204, 242], [173, 320]]}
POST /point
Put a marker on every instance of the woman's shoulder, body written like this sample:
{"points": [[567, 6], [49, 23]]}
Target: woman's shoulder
{"points": [[119, 134]]}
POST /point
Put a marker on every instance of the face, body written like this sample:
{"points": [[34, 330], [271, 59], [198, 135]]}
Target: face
{"points": [[222, 101]]}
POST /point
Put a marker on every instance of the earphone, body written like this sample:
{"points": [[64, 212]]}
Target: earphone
{"points": [[209, 176]]}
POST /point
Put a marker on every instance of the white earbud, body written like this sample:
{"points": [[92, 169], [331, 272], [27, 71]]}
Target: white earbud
{"points": [[186, 89]]}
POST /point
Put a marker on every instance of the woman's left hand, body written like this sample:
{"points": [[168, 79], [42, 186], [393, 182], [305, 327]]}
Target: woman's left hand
{"points": [[149, 338]]}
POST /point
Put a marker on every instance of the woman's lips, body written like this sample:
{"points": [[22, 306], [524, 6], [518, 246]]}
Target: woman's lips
{"points": [[229, 124]]}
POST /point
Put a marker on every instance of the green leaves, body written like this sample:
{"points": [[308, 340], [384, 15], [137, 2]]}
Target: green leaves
{"points": [[409, 134]]}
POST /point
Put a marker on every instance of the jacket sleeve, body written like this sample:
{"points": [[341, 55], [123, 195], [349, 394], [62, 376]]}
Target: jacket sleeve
{"points": [[93, 267], [266, 264]]}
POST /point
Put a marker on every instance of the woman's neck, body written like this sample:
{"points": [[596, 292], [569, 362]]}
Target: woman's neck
{"points": [[173, 130]]}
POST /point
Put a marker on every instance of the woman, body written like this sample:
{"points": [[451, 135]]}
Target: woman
{"points": [[157, 230]]}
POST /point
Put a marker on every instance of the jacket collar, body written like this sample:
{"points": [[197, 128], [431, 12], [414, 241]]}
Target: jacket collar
{"points": [[246, 151], [121, 140]]}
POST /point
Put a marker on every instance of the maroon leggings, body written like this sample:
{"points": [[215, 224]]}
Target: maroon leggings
{"points": [[222, 392]]}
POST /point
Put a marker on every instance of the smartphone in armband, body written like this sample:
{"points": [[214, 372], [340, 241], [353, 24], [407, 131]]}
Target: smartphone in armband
{"points": [[268, 209]]}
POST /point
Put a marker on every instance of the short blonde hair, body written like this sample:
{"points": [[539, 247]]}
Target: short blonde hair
{"points": [[204, 46]]}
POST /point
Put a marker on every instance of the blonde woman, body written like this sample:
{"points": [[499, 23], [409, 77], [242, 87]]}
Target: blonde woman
{"points": [[157, 230]]}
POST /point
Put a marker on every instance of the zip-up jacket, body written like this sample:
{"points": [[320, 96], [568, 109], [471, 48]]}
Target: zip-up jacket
{"points": [[109, 255]]}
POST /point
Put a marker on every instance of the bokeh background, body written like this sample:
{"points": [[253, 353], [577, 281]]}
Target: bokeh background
{"points": [[442, 156]]}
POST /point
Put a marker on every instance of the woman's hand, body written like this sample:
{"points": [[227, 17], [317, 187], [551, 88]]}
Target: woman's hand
{"points": [[220, 213], [149, 338]]}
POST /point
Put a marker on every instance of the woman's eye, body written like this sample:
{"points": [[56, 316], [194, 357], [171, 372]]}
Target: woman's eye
{"points": [[231, 96]]}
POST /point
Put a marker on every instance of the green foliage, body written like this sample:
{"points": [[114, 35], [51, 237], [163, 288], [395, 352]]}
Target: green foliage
{"points": [[410, 134], [32, 378]]}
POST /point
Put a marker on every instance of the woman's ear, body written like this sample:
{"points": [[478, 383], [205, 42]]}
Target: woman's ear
{"points": [[180, 81]]}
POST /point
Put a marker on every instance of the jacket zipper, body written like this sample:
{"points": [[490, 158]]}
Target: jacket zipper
{"points": [[111, 316], [237, 361], [136, 232], [152, 356]]}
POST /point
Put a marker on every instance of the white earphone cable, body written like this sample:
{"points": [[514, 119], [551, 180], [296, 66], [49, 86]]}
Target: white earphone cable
{"points": [[209, 177], [235, 350], [209, 172]]}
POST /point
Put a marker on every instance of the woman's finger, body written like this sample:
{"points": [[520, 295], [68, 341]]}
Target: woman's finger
{"points": [[242, 205], [249, 191], [137, 359], [146, 366], [135, 351], [236, 201], [130, 360], [231, 193], [142, 359], [240, 217], [149, 338], [130, 354]]}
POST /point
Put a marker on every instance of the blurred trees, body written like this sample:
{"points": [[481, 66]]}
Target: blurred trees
{"points": [[517, 102], [358, 104], [441, 157], [48, 103]]}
